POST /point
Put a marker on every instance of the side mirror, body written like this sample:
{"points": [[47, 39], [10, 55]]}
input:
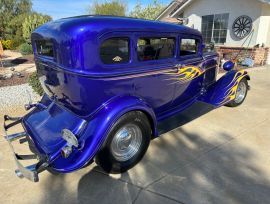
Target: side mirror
{"points": [[229, 65]]}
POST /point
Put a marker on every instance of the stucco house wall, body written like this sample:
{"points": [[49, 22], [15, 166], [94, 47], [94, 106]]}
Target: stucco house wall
{"points": [[264, 28], [258, 11], [235, 8]]}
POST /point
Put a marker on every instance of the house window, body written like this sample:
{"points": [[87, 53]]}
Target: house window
{"points": [[155, 48], [214, 28], [115, 51]]}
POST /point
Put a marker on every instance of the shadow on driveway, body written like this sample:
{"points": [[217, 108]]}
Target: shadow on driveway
{"points": [[210, 173]]}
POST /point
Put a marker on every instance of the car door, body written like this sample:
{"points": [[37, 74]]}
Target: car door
{"points": [[190, 72], [155, 54]]}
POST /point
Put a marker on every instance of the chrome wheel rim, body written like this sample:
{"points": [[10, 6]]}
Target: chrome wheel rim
{"points": [[241, 92], [126, 142]]}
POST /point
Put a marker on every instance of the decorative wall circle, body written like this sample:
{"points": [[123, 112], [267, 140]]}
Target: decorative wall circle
{"points": [[242, 26]]}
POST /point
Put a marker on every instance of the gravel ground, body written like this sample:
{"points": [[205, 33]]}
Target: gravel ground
{"points": [[14, 96]]}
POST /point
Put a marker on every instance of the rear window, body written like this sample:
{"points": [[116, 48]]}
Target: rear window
{"points": [[115, 51], [155, 48], [188, 47], [45, 48]]}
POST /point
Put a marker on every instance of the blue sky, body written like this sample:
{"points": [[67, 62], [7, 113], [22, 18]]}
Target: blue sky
{"points": [[65, 8]]}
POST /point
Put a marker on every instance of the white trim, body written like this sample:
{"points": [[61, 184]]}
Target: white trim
{"points": [[165, 10], [181, 8]]}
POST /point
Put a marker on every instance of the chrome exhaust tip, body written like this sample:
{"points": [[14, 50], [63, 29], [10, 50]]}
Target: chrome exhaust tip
{"points": [[19, 173]]}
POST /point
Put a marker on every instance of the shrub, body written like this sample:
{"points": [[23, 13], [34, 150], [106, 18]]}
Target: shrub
{"points": [[26, 49], [35, 84], [17, 41], [7, 44]]}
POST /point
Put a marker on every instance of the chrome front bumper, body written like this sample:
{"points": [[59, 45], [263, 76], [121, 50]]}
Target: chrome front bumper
{"points": [[30, 172]]}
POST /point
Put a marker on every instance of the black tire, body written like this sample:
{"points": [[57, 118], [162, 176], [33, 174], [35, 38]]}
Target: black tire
{"points": [[234, 103], [105, 158]]}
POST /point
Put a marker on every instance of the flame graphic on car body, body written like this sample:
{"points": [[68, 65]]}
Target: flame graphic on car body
{"points": [[187, 73], [230, 94]]}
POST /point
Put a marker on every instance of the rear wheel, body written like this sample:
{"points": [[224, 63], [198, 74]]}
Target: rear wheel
{"points": [[241, 94], [127, 143]]}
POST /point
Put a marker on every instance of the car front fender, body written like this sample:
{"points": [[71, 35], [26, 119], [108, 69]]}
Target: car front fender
{"points": [[97, 130], [224, 89]]}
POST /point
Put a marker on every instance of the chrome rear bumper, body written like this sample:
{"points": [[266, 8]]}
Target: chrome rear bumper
{"points": [[30, 172]]}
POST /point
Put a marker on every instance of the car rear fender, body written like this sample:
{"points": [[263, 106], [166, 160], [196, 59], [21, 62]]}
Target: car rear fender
{"points": [[97, 131]]}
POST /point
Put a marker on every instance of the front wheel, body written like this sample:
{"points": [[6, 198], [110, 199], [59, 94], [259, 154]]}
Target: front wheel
{"points": [[241, 94], [126, 144]]}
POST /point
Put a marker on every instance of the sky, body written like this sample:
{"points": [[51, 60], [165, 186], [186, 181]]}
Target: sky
{"points": [[66, 8]]}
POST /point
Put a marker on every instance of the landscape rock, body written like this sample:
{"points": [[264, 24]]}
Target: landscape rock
{"points": [[7, 76], [18, 74]]}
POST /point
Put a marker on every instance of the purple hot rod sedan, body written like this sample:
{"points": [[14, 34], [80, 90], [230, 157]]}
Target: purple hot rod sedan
{"points": [[109, 82]]}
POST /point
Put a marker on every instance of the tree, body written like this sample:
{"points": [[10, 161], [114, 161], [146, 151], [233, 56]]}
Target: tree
{"points": [[12, 13], [114, 8], [150, 12], [31, 22]]}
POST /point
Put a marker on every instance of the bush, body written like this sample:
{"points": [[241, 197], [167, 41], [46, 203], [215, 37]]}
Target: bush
{"points": [[35, 84], [26, 49], [17, 41], [12, 44], [7, 44]]}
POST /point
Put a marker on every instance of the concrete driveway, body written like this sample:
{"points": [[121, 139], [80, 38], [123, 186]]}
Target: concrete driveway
{"points": [[219, 157]]}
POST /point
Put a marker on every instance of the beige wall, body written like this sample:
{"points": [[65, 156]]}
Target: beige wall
{"points": [[264, 29], [235, 8], [268, 37], [259, 12]]}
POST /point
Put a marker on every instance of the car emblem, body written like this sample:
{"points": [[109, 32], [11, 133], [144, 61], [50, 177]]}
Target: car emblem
{"points": [[117, 59]]}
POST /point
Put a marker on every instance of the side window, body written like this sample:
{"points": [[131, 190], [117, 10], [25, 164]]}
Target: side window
{"points": [[155, 48], [115, 51], [189, 47]]}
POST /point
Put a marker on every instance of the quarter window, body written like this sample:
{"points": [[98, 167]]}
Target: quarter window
{"points": [[188, 47], [155, 48], [115, 51]]}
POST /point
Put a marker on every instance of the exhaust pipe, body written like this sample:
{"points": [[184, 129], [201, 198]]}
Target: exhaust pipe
{"points": [[19, 173]]}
